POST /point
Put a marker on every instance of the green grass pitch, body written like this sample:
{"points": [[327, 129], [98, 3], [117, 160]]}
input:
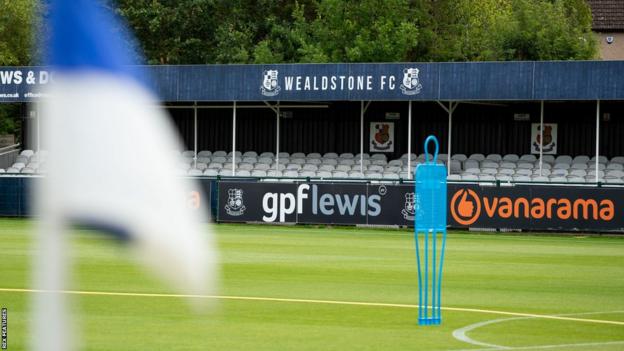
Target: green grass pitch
{"points": [[578, 278]]}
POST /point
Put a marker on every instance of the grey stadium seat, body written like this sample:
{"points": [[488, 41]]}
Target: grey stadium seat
{"points": [[379, 157], [490, 171], [601, 159], [471, 164], [390, 175], [343, 168], [548, 159], [521, 178], [580, 159], [324, 174], [511, 158], [27, 153], [293, 166], [489, 164], [477, 157], [267, 154], [563, 159], [558, 172], [545, 172], [574, 179], [245, 166], [309, 167], [211, 172], [274, 173], [459, 157], [494, 157], [541, 179], [340, 174], [618, 159], [262, 167], [557, 179], [507, 164], [504, 178], [470, 177], [601, 166]]}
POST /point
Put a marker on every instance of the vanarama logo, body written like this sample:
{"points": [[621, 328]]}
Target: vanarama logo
{"points": [[467, 210], [466, 207]]}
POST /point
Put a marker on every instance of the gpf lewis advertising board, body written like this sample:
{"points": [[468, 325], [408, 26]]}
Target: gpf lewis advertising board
{"points": [[322, 203]]}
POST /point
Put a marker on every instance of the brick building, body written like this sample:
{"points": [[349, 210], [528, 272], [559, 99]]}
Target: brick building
{"points": [[608, 24]]}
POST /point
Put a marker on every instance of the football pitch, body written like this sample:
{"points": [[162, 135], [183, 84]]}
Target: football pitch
{"points": [[306, 288]]}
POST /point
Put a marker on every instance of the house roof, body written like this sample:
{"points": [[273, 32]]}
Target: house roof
{"points": [[608, 15]]}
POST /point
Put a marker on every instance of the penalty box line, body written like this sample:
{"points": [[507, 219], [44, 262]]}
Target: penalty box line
{"points": [[312, 301]]}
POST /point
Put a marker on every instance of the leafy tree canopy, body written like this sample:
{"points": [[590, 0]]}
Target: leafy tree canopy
{"points": [[269, 31]]}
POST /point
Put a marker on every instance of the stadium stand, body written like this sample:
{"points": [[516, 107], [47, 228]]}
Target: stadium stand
{"points": [[475, 167]]}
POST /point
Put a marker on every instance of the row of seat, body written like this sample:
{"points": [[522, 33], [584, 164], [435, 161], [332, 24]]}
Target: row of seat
{"points": [[348, 165]]}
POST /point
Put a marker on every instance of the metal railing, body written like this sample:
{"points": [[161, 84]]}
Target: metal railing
{"points": [[8, 154]]}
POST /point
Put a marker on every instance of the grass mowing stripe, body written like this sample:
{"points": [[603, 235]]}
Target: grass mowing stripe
{"points": [[330, 302]]}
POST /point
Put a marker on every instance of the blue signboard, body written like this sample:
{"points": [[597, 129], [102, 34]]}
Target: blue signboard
{"points": [[482, 81]]}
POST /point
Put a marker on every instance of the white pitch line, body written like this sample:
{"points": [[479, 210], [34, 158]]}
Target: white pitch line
{"points": [[461, 333], [546, 347], [328, 302]]}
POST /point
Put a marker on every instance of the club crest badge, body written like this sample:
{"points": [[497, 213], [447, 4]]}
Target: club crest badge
{"points": [[411, 84], [235, 206], [382, 137], [270, 85], [409, 210]]}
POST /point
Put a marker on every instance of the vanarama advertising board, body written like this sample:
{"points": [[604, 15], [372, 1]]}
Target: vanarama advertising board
{"points": [[536, 207]]}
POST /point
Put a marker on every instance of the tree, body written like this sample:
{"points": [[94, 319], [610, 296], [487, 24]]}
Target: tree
{"points": [[17, 21], [468, 30], [549, 30], [172, 31]]}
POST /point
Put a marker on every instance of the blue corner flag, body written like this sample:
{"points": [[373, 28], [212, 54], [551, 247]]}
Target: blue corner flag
{"points": [[430, 234], [110, 166]]}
